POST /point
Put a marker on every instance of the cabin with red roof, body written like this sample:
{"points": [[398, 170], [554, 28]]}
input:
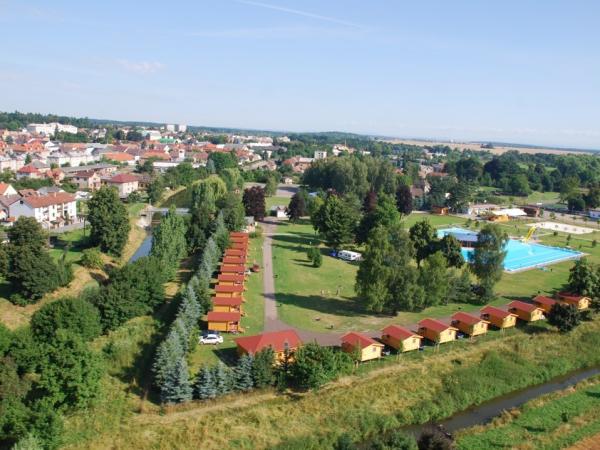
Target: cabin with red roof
{"points": [[363, 346], [230, 279], [228, 322], [239, 246], [436, 331], [284, 344], [228, 304], [234, 260], [469, 324], [238, 239], [239, 269], [229, 290], [238, 234], [526, 311], [400, 338], [579, 301], [543, 302], [236, 253], [498, 317]]}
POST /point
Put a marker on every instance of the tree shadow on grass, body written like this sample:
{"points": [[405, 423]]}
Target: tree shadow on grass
{"points": [[297, 239], [339, 306]]}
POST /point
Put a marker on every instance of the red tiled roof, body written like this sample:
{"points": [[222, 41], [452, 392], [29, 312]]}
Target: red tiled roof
{"points": [[543, 300], [466, 318], [496, 312], [56, 198], [234, 260], [399, 332], [3, 188], [234, 288], [217, 316], [277, 340], [118, 156], [232, 268], [529, 307], [29, 168], [239, 245], [231, 277], [358, 340], [434, 325], [238, 234], [570, 297], [123, 178], [227, 301], [235, 252]]}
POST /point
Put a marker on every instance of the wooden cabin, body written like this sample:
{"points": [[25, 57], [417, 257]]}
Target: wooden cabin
{"points": [[235, 290], [543, 302], [234, 260], [400, 338], [469, 323], [579, 301], [437, 331], [238, 269], [235, 252], [228, 322], [284, 343], [239, 246], [230, 279], [500, 318], [238, 234], [526, 311], [362, 345], [239, 239], [228, 304]]}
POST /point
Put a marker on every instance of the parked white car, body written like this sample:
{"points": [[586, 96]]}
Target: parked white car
{"points": [[212, 339]]}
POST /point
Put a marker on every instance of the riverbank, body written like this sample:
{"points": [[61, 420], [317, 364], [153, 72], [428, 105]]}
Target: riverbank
{"points": [[553, 421], [424, 388]]}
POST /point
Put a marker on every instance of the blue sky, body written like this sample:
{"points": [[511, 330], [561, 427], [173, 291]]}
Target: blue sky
{"points": [[518, 71]]}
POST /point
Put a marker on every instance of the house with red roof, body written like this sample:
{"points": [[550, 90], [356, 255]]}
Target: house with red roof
{"points": [[234, 260], [7, 189], [364, 347], [469, 324], [436, 331], [579, 301], [85, 179], [125, 183], [400, 338], [526, 311], [239, 269], [230, 279], [500, 318], [235, 252], [228, 304], [51, 211], [283, 343], [543, 302], [120, 157], [228, 322], [235, 290], [29, 171]]}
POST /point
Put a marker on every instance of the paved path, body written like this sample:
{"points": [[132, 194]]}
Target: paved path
{"points": [[272, 322]]}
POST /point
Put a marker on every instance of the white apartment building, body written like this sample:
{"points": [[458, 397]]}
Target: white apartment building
{"points": [[170, 127], [320, 154], [48, 129], [182, 128], [51, 211]]}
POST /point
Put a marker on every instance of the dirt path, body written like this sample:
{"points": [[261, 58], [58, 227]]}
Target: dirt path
{"points": [[591, 443]]}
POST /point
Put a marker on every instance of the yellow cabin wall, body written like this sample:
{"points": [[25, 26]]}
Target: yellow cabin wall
{"points": [[226, 308], [370, 352], [509, 322], [444, 336], [412, 343]]}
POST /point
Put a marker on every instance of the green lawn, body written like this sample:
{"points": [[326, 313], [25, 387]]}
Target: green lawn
{"points": [[434, 219], [73, 241], [252, 322], [276, 201], [554, 421]]}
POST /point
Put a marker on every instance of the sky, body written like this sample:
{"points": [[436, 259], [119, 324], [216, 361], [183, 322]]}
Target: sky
{"points": [[512, 71]]}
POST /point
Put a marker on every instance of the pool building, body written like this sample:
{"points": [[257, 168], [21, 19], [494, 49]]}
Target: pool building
{"points": [[519, 255]]}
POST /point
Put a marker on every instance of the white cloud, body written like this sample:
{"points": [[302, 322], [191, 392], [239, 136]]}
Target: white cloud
{"points": [[140, 67]]}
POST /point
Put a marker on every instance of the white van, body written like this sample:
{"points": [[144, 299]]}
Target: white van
{"points": [[347, 255]]}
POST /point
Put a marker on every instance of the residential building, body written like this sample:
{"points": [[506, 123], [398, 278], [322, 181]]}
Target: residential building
{"points": [[469, 324], [283, 343], [51, 211], [224, 321], [86, 179], [7, 189], [361, 345], [400, 338], [543, 302], [49, 129], [125, 184], [227, 304], [320, 154], [29, 171], [579, 301], [436, 331], [498, 317], [526, 311]]}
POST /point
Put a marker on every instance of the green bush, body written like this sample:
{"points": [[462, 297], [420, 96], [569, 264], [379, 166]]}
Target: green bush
{"points": [[91, 258]]}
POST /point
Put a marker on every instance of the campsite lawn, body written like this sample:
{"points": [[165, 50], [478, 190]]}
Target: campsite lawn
{"points": [[252, 322], [276, 201], [323, 299]]}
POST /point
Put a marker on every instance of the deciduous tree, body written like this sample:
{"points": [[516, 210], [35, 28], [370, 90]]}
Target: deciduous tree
{"points": [[109, 221]]}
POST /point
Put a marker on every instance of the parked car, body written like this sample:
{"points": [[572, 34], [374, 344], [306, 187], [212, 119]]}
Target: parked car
{"points": [[348, 255], [211, 339]]}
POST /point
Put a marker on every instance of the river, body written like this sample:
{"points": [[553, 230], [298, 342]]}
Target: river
{"points": [[143, 249]]}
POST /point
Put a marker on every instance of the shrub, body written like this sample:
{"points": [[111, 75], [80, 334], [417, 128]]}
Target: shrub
{"points": [[91, 258], [72, 314]]}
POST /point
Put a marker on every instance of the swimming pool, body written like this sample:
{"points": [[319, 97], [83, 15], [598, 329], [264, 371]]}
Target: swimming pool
{"points": [[519, 255]]}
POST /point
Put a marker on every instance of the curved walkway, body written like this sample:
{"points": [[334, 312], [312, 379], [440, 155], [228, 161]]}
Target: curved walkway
{"points": [[272, 322]]}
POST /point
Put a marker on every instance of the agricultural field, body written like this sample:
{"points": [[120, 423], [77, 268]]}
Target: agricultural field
{"points": [[551, 422]]}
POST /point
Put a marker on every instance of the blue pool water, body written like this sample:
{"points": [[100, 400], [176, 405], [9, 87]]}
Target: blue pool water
{"points": [[519, 255]]}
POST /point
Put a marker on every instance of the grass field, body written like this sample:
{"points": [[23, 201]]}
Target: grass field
{"points": [[252, 322], [415, 389], [276, 201], [551, 422]]}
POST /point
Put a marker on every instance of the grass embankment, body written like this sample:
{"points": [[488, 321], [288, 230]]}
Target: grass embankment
{"points": [[427, 386], [252, 322], [553, 421]]}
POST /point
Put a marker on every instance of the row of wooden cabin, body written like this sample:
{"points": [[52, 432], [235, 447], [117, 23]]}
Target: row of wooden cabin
{"points": [[227, 304], [402, 339]]}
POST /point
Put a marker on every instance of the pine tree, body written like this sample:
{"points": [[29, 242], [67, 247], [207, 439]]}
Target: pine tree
{"points": [[204, 386], [176, 387], [222, 379], [167, 355], [262, 368], [243, 374], [181, 331]]}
